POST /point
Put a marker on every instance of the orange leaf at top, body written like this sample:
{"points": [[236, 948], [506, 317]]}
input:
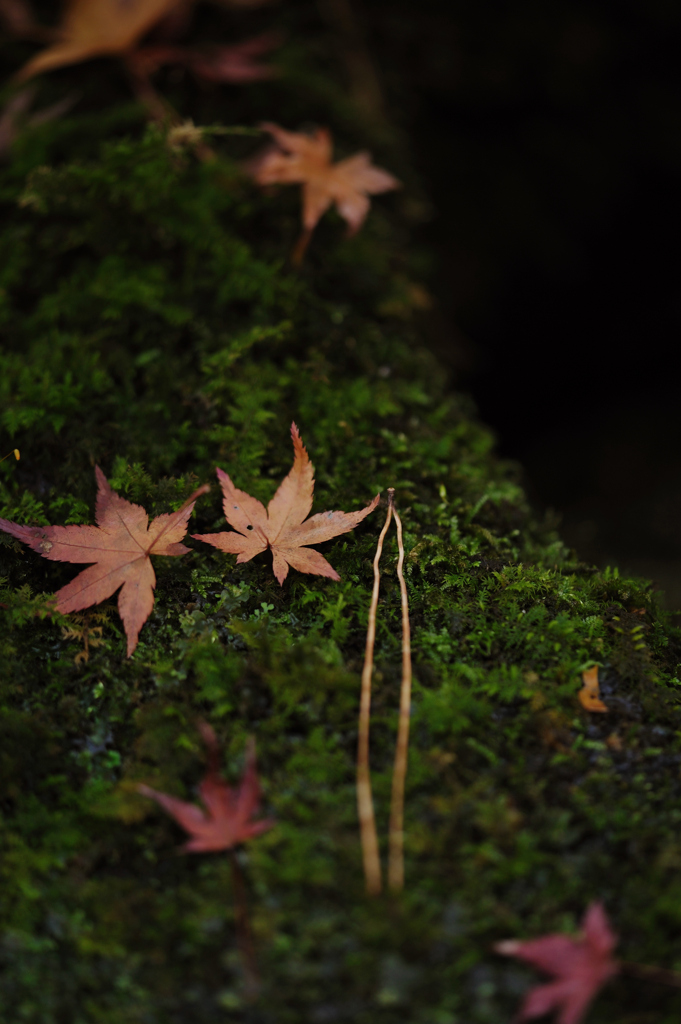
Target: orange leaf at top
{"points": [[227, 819], [94, 28], [119, 546], [281, 527], [589, 695], [301, 159]]}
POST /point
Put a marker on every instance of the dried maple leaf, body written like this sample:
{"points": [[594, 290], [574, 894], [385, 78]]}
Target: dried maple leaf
{"points": [[97, 28], [120, 546], [581, 966], [281, 527], [298, 158], [227, 818], [589, 695]]}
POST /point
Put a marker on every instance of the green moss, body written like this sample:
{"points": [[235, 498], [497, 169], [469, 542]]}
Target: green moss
{"points": [[150, 324]]}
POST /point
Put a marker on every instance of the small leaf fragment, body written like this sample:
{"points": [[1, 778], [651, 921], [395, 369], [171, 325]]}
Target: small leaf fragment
{"points": [[589, 695]]}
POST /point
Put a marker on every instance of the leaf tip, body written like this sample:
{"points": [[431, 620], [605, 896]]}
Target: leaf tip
{"points": [[508, 947]]}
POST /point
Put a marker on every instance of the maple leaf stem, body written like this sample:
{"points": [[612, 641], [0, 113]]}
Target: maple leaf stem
{"points": [[244, 935], [365, 803], [300, 248], [160, 110], [647, 972], [396, 827]]}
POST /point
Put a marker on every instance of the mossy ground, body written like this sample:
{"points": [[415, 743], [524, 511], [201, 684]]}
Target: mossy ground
{"points": [[150, 324]]}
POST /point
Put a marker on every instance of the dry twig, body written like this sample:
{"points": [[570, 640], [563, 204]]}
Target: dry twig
{"points": [[396, 827], [365, 803]]}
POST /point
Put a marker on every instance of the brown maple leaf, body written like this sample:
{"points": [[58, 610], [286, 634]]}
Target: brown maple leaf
{"points": [[227, 818], [581, 967], [281, 527], [119, 546], [297, 158], [96, 28]]}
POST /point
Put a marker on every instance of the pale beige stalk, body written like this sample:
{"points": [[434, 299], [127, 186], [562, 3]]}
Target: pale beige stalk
{"points": [[396, 828], [365, 803]]}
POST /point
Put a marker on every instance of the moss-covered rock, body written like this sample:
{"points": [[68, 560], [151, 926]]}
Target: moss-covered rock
{"points": [[150, 325]]}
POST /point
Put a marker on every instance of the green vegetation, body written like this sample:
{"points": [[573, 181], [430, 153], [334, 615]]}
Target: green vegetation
{"points": [[150, 325]]}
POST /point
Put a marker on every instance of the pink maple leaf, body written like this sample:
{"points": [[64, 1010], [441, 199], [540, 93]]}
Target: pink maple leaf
{"points": [[236, 64], [581, 967], [227, 818]]}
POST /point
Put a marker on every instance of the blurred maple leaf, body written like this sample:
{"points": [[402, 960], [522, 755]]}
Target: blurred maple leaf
{"points": [[235, 64], [281, 527], [227, 818], [96, 28], [119, 546], [589, 695], [297, 158], [581, 966]]}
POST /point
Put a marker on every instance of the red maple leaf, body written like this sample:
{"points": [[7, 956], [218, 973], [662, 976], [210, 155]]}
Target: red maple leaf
{"points": [[581, 967], [119, 546], [280, 527], [227, 818]]}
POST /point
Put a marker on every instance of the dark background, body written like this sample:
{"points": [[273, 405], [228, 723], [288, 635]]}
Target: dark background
{"points": [[549, 137]]}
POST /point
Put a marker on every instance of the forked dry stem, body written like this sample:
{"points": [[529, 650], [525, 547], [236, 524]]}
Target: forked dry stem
{"points": [[365, 803], [396, 828]]}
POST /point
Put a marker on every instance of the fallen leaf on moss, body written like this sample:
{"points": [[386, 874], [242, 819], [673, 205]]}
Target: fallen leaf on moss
{"points": [[227, 818], [581, 967], [281, 527], [297, 158], [95, 28], [119, 546], [589, 695]]}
